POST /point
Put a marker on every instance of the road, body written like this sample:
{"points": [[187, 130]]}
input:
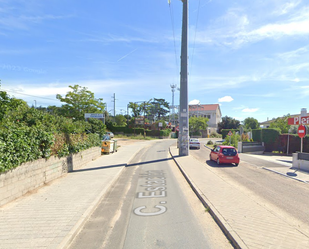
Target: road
{"points": [[285, 196], [151, 206]]}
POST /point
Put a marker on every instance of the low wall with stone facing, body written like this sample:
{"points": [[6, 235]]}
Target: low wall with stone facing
{"points": [[301, 161], [32, 175]]}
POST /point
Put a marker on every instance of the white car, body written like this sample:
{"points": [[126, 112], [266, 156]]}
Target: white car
{"points": [[194, 143]]}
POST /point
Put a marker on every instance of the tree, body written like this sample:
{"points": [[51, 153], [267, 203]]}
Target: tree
{"points": [[251, 123], [228, 123], [136, 108], [196, 124], [96, 126], [120, 120], [80, 101], [160, 107], [281, 123], [11, 108]]}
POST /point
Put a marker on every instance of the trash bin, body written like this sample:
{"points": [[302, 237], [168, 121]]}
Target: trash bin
{"points": [[107, 146], [115, 145]]}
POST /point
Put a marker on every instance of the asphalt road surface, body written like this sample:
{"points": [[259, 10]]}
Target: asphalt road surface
{"points": [[151, 206], [285, 196]]}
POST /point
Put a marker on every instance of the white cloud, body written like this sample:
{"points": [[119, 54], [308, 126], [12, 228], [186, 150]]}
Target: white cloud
{"points": [[287, 7], [250, 110], [225, 99], [194, 102], [235, 28], [295, 54]]}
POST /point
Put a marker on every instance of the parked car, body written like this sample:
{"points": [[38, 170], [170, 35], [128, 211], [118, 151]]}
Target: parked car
{"points": [[194, 143], [110, 134], [224, 154]]}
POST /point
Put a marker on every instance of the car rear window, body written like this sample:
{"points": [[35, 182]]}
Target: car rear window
{"points": [[229, 152]]}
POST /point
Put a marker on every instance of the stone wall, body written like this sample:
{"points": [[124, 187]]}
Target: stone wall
{"points": [[32, 175]]}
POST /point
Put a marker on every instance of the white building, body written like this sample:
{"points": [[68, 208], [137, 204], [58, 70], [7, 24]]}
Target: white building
{"points": [[212, 112]]}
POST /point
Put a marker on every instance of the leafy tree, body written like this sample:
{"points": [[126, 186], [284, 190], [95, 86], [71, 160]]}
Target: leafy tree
{"points": [[281, 123], [159, 107], [11, 109], [251, 123], [120, 120], [80, 101], [136, 108], [196, 124], [96, 126], [228, 123]]}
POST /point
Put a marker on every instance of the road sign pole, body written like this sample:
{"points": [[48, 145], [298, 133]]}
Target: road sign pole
{"points": [[301, 145]]}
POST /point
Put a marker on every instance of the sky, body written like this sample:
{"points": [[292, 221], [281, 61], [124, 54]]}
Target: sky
{"points": [[251, 57]]}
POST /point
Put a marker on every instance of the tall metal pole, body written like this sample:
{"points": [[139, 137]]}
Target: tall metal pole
{"points": [[173, 103], [184, 112]]}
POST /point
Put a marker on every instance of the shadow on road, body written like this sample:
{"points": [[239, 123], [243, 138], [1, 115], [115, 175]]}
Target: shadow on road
{"points": [[122, 165], [223, 165]]}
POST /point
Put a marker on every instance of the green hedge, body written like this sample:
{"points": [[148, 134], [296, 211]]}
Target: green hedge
{"points": [[127, 130], [20, 144], [257, 135], [165, 133], [137, 131], [153, 133], [23, 144]]}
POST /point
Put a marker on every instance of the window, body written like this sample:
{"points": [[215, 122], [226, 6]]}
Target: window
{"points": [[229, 152]]}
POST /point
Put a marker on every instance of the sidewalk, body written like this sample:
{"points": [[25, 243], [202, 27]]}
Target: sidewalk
{"points": [[284, 166], [55, 213], [246, 222]]}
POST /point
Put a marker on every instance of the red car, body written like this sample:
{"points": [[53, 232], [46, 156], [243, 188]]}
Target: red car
{"points": [[224, 154]]}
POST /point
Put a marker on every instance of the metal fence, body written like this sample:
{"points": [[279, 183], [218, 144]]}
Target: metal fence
{"points": [[252, 147]]}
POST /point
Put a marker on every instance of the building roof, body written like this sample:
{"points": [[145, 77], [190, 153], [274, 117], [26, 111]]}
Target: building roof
{"points": [[274, 119], [212, 107]]}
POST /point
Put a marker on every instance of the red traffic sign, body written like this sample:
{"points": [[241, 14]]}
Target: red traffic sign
{"points": [[177, 128], [230, 133], [298, 120], [301, 131]]}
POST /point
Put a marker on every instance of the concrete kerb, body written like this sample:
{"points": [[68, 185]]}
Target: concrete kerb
{"points": [[76, 229], [282, 174], [224, 226]]}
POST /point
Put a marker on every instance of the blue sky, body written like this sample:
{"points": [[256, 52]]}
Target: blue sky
{"points": [[251, 57]]}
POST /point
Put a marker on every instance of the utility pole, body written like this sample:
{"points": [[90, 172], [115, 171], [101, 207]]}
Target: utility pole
{"points": [[173, 106], [114, 100], [184, 112]]}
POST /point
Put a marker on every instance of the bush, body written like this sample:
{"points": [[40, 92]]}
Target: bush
{"points": [[215, 135], [233, 141], [226, 131], [210, 142], [165, 133]]}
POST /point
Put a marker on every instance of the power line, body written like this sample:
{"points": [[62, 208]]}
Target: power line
{"points": [[172, 20], [193, 50], [28, 94]]}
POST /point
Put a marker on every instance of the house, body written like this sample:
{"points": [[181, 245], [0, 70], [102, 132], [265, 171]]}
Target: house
{"points": [[212, 112], [266, 124]]}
